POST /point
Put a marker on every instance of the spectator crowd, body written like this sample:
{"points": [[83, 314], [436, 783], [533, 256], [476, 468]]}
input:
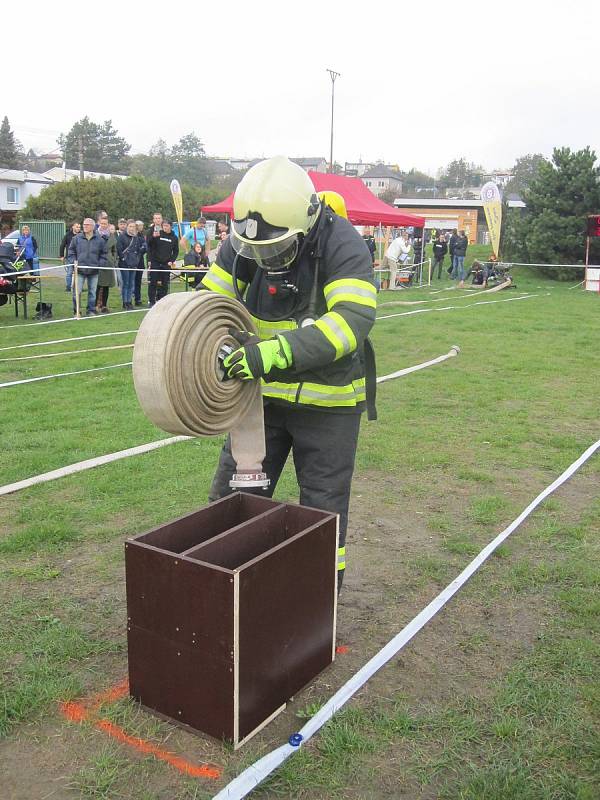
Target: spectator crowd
{"points": [[404, 250], [109, 257]]}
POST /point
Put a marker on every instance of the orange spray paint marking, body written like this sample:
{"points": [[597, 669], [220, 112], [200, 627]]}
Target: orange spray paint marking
{"points": [[143, 746], [342, 649], [116, 692], [83, 711]]}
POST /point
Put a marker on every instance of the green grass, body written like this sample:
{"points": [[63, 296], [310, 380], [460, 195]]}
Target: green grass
{"points": [[498, 698]]}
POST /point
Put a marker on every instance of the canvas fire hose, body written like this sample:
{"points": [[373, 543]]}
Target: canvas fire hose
{"points": [[179, 380]]}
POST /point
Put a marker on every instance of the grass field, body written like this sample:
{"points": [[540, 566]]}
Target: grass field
{"points": [[499, 697]]}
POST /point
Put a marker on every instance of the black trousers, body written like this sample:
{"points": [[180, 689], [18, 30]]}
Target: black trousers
{"points": [[323, 446], [137, 284], [158, 283], [439, 263]]}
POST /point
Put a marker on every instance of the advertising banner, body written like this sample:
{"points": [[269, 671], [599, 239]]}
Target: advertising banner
{"points": [[492, 205]]}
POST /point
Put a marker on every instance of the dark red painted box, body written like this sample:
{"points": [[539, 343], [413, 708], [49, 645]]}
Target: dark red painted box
{"points": [[231, 611]]}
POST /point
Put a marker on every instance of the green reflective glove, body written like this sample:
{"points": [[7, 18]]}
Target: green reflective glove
{"points": [[254, 360]]}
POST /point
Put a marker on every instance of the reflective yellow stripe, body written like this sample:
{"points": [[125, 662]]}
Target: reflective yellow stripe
{"points": [[281, 391], [316, 394], [266, 329], [338, 333], [219, 280], [350, 290], [360, 390], [341, 558]]}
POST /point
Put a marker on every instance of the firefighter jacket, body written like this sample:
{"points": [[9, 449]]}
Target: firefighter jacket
{"points": [[328, 349]]}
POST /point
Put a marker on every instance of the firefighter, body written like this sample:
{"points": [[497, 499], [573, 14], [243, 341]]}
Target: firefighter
{"points": [[304, 273]]}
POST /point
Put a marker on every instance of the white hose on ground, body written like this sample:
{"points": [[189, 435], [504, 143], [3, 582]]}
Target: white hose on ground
{"points": [[89, 463], [62, 375], [255, 774], [450, 308], [454, 351], [75, 319], [95, 462], [67, 353], [475, 293], [68, 339]]}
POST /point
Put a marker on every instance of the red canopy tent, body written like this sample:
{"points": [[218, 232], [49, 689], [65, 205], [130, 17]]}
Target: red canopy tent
{"points": [[361, 204]]}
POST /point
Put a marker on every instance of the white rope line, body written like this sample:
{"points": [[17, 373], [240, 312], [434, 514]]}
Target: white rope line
{"points": [[62, 375], [68, 339], [251, 777], [402, 266], [89, 463], [449, 308], [94, 462], [454, 351], [19, 273], [66, 353], [74, 319]]}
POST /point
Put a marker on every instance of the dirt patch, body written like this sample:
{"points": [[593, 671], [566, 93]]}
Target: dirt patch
{"points": [[397, 564]]}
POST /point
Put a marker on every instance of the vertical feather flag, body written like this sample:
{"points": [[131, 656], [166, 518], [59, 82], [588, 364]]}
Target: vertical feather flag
{"points": [[492, 205], [177, 202]]}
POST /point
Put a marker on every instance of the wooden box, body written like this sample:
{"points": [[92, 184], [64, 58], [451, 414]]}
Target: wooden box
{"points": [[231, 610]]}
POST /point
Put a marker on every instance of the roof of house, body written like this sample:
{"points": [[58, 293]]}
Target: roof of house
{"points": [[219, 166], [22, 175], [60, 173], [307, 162], [381, 171]]}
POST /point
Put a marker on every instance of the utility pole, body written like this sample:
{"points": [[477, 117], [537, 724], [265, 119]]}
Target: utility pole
{"points": [[80, 139], [333, 75]]}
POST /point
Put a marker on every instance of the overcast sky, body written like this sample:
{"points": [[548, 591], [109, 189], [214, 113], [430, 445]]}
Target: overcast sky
{"points": [[421, 83]]}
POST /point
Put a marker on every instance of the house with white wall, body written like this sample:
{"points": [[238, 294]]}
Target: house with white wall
{"points": [[16, 186]]}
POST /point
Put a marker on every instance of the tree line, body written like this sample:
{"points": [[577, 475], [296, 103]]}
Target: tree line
{"points": [[558, 192], [98, 147]]}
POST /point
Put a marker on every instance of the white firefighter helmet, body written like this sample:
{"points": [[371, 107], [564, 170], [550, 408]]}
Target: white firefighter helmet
{"points": [[274, 205]]}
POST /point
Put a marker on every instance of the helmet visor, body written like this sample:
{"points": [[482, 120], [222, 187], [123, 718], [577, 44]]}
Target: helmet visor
{"points": [[272, 256]]}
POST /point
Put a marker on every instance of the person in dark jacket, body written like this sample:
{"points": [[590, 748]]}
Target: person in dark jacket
{"points": [[451, 246], [162, 252], [28, 245], [130, 249], [440, 248], [312, 326], [458, 259], [106, 277], [89, 252], [64, 253], [137, 284]]}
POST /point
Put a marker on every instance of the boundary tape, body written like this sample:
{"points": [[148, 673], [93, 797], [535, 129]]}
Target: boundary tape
{"points": [[251, 777]]}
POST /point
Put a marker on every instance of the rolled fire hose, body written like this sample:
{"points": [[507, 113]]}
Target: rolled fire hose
{"points": [[179, 380]]}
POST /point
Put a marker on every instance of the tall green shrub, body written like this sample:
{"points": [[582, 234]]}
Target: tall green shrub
{"points": [[552, 230]]}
